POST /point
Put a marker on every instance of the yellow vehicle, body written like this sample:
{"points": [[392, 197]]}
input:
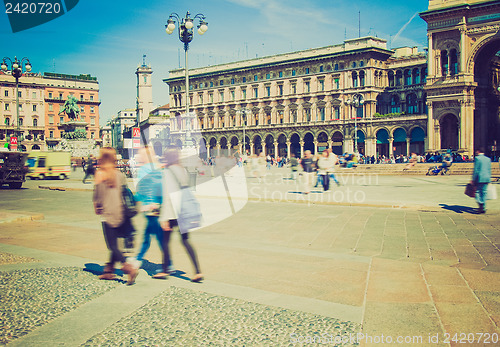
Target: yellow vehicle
{"points": [[42, 165]]}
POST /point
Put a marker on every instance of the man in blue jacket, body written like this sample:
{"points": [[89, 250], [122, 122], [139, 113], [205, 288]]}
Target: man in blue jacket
{"points": [[481, 178]]}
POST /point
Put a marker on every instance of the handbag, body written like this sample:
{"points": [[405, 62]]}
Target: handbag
{"points": [[470, 190], [189, 216], [491, 193], [129, 203]]}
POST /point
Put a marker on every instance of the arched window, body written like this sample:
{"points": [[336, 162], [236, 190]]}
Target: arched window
{"points": [[453, 62], [399, 77], [381, 106], [390, 77], [416, 76], [444, 63], [361, 63], [354, 79], [7, 121], [353, 64], [35, 122], [407, 77], [361, 78], [21, 121], [412, 103], [395, 105], [336, 67], [360, 111]]}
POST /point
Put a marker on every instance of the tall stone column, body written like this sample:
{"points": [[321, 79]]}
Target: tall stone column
{"points": [[316, 147], [407, 146], [288, 145], [328, 111], [276, 154], [301, 148], [263, 145], [391, 144], [252, 149], [262, 116], [463, 49], [430, 140], [218, 149], [430, 58], [371, 146], [274, 116], [300, 114], [467, 127]]}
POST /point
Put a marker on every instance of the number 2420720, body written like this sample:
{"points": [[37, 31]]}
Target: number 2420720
{"points": [[32, 7]]}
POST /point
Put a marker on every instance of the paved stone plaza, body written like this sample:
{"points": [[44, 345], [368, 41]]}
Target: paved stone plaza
{"points": [[404, 258]]}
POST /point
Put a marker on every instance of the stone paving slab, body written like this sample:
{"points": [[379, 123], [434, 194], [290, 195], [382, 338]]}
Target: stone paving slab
{"points": [[390, 266], [11, 217]]}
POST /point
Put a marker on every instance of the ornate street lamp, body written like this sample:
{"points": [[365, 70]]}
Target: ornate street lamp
{"points": [[185, 28], [17, 72], [356, 102]]}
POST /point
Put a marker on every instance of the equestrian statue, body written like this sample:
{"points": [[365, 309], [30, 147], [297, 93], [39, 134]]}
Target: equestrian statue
{"points": [[71, 108]]}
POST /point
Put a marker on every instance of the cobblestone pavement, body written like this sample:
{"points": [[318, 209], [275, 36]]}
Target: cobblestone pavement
{"points": [[185, 317], [32, 298], [6, 258], [411, 260]]}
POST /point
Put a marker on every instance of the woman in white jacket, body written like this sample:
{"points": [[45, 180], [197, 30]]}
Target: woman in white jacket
{"points": [[175, 176], [325, 166]]}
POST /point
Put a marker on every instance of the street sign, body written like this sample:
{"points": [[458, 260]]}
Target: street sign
{"points": [[13, 143], [127, 143], [136, 132], [136, 143]]}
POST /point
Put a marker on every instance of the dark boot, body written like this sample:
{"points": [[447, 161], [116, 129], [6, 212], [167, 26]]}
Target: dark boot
{"points": [[108, 272], [481, 209]]}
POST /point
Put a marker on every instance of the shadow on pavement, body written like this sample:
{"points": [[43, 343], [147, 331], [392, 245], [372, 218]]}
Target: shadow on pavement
{"points": [[97, 270], [153, 268], [459, 209]]}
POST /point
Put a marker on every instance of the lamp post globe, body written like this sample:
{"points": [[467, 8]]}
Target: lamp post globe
{"points": [[185, 30], [17, 72]]}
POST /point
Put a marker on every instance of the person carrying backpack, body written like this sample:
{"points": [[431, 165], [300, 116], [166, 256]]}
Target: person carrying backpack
{"points": [[176, 198]]}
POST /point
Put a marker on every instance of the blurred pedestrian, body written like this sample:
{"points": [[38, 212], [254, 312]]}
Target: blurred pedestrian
{"points": [[411, 162], [325, 165], [108, 203], [89, 168], [174, 179], [149, 193], [334, 161], [481, 177], [294, 166], [307, 163]]}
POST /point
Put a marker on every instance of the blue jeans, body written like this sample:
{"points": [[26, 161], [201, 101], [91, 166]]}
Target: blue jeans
{"points": [[481, 189], [332, 176], [153, 227]]}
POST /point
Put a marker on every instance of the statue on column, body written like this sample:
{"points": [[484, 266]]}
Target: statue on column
{"points": [[71, 108]]}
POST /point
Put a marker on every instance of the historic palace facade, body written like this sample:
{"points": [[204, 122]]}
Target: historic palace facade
{"points": [[412, 101], [41, 98], [300, 101], [463, 81]]}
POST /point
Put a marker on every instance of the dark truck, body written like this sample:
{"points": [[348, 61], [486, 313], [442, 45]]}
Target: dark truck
{"points": [[13, 169]]}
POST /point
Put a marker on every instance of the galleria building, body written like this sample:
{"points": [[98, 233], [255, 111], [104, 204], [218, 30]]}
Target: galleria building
{"points": [[446, 98]]}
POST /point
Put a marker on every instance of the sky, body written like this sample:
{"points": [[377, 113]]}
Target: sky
{"points": [[108, 39]]}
